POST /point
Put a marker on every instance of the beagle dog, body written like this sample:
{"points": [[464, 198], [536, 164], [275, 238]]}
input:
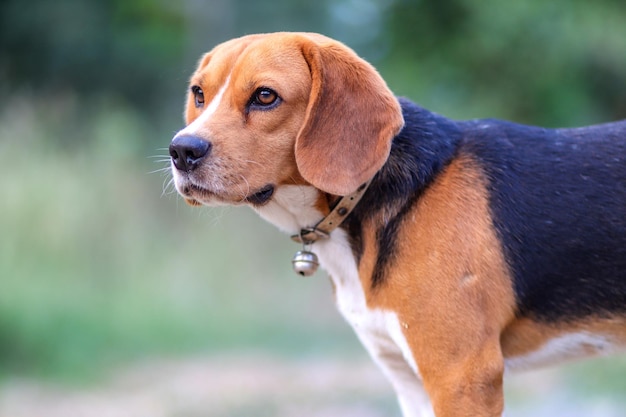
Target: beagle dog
{"points": [[460, 249]]}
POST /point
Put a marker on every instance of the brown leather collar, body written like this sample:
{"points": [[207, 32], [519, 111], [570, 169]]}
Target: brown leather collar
{"points": [[338, 214]]}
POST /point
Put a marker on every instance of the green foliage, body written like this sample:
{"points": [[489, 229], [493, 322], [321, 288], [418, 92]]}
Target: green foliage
{"points": [[114, 47], [555, 63], [558, 63]]}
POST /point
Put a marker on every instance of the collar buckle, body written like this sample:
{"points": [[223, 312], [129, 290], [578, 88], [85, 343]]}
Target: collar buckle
{"points": [[309, 235]]}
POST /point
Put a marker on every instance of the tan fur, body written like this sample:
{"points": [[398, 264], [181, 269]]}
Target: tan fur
{"points": [[453, 293]]}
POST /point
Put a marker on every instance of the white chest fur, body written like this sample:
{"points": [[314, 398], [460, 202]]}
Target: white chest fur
{"points": [[380, 331], [291, 209]]}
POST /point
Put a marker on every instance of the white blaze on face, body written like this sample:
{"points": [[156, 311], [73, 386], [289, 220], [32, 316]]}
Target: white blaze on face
{"points": [[197, 124]]}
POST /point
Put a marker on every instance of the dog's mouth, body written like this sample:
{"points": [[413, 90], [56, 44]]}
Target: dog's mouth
{"points": [[196, 195], [262, 196]]}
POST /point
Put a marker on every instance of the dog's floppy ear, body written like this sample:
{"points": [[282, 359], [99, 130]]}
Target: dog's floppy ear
{"points": [[350, 120]]}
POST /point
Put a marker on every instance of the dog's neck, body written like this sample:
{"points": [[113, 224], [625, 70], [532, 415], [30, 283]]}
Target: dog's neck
{"points": [[292, 208], [424, 147], [421, 150]]}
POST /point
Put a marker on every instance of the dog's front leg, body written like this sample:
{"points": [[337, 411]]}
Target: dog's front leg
{"points": [[473, 390], [462, 379], [412, 397]]}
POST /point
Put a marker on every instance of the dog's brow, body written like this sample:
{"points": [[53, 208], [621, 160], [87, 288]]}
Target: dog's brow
{"points": [[197, 80]]}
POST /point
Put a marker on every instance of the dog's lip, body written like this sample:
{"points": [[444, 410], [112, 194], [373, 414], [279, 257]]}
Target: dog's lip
{"points": [[191, 191], [197, 193], [262, 196]]}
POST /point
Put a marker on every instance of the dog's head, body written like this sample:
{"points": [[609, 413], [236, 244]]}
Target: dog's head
{"points": [[276, 109]]}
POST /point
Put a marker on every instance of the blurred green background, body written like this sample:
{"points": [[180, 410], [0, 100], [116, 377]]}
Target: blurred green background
{"points": [[102, 266]]}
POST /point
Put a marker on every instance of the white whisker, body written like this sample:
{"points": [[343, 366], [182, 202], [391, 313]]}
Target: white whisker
{"points": [[244, 195], [246, 161], [168, 187], [164, 170], [217, 214], [251, 162], [161, 159]]}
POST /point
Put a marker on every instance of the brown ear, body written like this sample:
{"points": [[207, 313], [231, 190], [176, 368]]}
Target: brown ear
{"points": [[351, 118]]}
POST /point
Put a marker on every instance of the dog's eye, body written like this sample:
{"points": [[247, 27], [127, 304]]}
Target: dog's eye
{"points": [[264, 99], [265, 96], [198, 96]]}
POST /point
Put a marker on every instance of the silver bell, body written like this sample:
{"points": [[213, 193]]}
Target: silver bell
{"points": [[305, 263]]}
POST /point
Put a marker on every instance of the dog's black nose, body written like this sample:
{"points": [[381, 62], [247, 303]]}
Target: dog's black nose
{"points": [[188, 151]]}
